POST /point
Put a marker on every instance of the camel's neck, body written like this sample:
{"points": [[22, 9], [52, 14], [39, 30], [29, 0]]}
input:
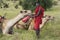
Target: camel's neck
{"points": [[15, 20], [11, 22]]}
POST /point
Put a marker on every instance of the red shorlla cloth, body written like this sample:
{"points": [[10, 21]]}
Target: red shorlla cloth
{"points": [[38, 19], [25, 19]]}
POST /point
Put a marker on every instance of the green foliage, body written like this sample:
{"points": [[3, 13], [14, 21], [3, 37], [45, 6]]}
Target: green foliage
{"points": [[2, 3], [16, 6], [46, 3], [27, 4], [30, 4]]}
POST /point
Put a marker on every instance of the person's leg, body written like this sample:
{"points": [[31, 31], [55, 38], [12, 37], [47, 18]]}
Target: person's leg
{"points": [[37, 30], [37, 33]]}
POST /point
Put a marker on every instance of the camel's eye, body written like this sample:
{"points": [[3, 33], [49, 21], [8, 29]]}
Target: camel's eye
{"points": [[21, 11], [25, 11]]}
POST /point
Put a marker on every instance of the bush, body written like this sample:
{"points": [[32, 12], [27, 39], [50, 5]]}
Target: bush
{"points": [[30, 4], [16, 6], [6, 5]]}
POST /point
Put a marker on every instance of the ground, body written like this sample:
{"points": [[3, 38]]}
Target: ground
{"points": [[51, 30]]}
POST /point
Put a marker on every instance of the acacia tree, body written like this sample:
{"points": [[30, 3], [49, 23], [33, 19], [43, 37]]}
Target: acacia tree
{"points": [[30, 4]]}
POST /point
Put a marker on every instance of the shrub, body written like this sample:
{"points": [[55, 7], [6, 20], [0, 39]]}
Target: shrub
{"points": [[30, 4]]}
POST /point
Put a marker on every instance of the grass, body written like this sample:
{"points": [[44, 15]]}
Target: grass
{"points": [[11, 13], [51, 30]]}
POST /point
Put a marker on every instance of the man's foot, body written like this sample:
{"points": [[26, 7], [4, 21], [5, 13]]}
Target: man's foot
{"points": [[38, 33]]}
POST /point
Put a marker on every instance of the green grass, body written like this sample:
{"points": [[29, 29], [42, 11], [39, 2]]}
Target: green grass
{"points": [[11, 13], [51, 30]]}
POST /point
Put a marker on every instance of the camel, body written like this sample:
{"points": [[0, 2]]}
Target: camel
{"points": [[17, 22], [45, 19], [30, 23], [10, 23]]}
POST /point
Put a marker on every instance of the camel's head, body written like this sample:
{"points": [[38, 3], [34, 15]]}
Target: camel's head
{"points": [[48, 17], [2, 18]]}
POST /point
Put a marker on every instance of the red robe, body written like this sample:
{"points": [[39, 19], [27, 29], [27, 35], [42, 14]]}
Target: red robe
{"points": [[25, 19], [38, 19]]}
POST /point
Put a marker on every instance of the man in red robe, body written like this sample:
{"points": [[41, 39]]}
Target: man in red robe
{"points": [[39, 12]]}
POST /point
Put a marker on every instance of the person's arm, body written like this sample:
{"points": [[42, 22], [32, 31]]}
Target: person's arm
{"points": [[33, 15], [39, 12]]}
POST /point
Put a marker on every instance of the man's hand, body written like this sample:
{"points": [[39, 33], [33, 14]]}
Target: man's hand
{"points": [[31, 15]]}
